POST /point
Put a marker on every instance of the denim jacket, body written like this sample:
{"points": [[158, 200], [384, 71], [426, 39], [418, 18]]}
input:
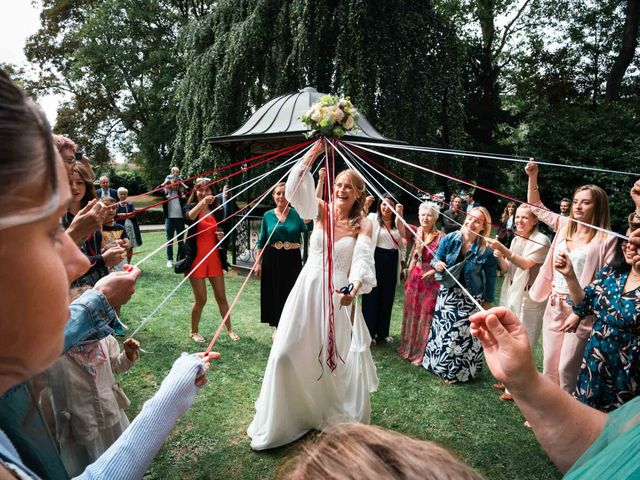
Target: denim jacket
{"points": [[90, 315], [480, 269]]}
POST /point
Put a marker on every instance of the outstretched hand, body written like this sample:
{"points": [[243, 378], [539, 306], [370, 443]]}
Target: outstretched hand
{"points": [[118, 287], [531, 168], [505, 344], [497, 247], [87, 220], [201, 380], [131, 349]]}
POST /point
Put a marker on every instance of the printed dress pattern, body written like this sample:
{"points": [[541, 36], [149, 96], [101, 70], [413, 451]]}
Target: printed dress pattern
{"points": [[452, 353], [610, 371]]}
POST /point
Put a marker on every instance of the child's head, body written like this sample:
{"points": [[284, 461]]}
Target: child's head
{"points": [[175, 171], [110, 203]]}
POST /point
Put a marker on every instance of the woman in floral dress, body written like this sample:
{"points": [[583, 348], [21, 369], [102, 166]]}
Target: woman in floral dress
{"points": [[421, 288], [610, 371], [451, 352]]}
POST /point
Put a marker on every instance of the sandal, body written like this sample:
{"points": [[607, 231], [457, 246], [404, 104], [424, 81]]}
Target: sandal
{"points": [[233, 335], [388, 340], [506, 397], [527, 424], [196, 337], [498, 386]]}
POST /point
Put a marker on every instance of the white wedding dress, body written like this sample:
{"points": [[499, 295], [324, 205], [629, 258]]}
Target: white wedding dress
{"points": [[299, 391]]}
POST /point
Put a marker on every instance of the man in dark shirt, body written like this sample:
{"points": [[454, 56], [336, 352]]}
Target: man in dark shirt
{"points": [[453, 218]]}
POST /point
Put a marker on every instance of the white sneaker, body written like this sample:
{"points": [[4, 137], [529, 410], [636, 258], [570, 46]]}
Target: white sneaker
{"points": [[169, 264]]}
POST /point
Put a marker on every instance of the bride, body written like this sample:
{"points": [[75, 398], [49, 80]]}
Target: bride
{"points": [[320, 369]]}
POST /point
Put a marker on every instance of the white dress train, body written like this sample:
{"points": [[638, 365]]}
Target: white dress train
{"points": [[299, 391]]}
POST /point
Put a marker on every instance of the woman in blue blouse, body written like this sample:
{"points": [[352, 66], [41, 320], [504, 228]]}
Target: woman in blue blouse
{"points": [[610, 371], [452, 353], [280, 264]]}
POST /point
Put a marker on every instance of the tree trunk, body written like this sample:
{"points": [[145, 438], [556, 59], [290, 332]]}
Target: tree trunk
{"points": [[488, 74], [627, 50]]}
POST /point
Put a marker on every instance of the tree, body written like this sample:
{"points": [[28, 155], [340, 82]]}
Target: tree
{"points": [[117, 60], [248, 51], [627, 50]]}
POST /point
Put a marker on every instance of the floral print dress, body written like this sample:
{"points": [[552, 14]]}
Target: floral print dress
{"points": [[610, 371], [419, 298]]}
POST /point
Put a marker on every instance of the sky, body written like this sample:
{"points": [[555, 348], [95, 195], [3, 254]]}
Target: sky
{"points": [[19, 20]]}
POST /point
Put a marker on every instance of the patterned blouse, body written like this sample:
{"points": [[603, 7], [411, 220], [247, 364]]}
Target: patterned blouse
{"points": [[610, 372]]}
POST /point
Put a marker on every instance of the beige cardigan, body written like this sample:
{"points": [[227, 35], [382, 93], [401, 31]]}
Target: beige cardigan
{"points": [[536, 249], [601, 250], [79, 406]]}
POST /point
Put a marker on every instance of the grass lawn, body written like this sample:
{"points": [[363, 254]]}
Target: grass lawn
{"points": [[210, 441]]}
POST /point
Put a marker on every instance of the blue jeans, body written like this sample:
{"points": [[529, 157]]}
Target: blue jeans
{"points": [[172, 227]]}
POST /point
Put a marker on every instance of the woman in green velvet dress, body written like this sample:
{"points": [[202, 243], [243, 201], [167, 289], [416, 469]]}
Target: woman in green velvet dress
{"points": [[281, 261]]}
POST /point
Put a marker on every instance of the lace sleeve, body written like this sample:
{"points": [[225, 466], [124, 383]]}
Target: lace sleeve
{"points": [[301, 191], [362, 266]]}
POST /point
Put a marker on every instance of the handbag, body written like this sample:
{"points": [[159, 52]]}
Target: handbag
{"points": [[448, 278], [185, 259]]}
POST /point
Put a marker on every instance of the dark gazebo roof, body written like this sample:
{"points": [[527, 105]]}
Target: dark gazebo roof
{"points": [[276, 122]]}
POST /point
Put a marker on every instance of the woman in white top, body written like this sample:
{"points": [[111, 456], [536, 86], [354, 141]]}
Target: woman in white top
{"points": [[520, 265], [387, 236]]}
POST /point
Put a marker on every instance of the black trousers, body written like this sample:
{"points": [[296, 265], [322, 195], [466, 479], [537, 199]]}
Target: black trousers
{"points": [[377, 305]]}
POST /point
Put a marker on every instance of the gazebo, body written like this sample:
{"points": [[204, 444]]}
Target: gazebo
{"points": [[276, 125]]}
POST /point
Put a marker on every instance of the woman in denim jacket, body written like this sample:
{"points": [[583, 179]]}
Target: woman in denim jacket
{"points": [[452, 353]]}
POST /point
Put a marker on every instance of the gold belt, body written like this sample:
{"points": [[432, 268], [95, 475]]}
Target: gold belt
{"points": [[286, 245]]}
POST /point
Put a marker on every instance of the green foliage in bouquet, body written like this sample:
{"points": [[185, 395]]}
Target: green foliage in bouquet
{"points": [[330, 117]]}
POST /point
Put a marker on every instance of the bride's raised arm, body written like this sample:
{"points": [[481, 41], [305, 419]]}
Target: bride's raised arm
{"points": [[300, 189]]}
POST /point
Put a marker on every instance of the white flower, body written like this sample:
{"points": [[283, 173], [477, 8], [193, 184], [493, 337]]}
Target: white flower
{"points": [[336, 114], [348, 123], [315, 114]]}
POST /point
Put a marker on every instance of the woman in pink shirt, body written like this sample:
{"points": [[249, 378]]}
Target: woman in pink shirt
{"points": [[564, 336]]}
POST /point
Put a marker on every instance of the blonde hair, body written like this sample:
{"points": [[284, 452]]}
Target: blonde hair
{"points": [[486, 231], [357, 210], [354, 451], [600, 214]]}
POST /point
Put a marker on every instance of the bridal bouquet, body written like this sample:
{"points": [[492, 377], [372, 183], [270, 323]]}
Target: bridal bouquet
{"points": [[331, 116]]}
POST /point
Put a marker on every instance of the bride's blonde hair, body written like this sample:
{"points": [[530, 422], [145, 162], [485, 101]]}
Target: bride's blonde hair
{"points": [[357, 210]]}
